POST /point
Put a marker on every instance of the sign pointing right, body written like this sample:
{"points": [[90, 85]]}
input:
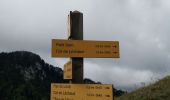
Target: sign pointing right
{"points": [[81, 92], [85, 48]]}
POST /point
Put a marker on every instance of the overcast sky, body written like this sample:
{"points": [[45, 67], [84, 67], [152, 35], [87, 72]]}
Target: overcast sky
{"points": [[141, 26]]}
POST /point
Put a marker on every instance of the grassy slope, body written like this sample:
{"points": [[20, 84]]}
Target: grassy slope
{"points": [[157, 91]]}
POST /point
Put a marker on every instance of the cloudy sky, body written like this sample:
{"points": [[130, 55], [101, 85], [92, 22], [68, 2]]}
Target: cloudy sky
{"points": [[141, 26]]}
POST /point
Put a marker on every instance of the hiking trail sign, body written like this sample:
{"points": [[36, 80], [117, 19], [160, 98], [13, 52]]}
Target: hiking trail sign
{"points": [[85, 48], [68, 70], [76, 49], [81, 92]]}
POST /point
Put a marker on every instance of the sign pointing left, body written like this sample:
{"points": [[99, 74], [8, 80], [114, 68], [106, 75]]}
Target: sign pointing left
{"points": [[68, 70]]}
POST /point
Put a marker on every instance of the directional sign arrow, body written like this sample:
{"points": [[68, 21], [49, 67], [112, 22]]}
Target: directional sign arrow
{"points": [[107, 95], [115, 46]]}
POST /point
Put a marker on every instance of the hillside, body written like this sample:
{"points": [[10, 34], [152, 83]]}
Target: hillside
{"points": [[157, 91], [25, 76]]}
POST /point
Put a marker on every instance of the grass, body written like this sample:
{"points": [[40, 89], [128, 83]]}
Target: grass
{"points": [[157, 91]]}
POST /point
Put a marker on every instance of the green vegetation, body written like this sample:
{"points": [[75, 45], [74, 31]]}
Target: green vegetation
{"points": [[157, 91]]}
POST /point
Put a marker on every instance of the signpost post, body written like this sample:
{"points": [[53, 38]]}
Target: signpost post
{"points": [[76, 33], [76, 48]]}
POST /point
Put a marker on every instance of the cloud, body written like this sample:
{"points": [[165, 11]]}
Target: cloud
{"points": [[124, 78], [141, 27]]}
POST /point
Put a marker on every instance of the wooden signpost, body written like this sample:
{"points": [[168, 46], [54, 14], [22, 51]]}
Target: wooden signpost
{"points": [[76, 48], [75, 20]]}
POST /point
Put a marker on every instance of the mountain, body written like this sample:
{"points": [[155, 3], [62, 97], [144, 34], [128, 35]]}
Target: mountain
{"points": [[25, 76], [157, 91]]}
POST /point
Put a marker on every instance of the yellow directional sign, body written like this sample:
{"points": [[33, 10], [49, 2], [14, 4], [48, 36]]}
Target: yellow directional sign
{"points": [[84, 48], [81, 92], [68, 70]]}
